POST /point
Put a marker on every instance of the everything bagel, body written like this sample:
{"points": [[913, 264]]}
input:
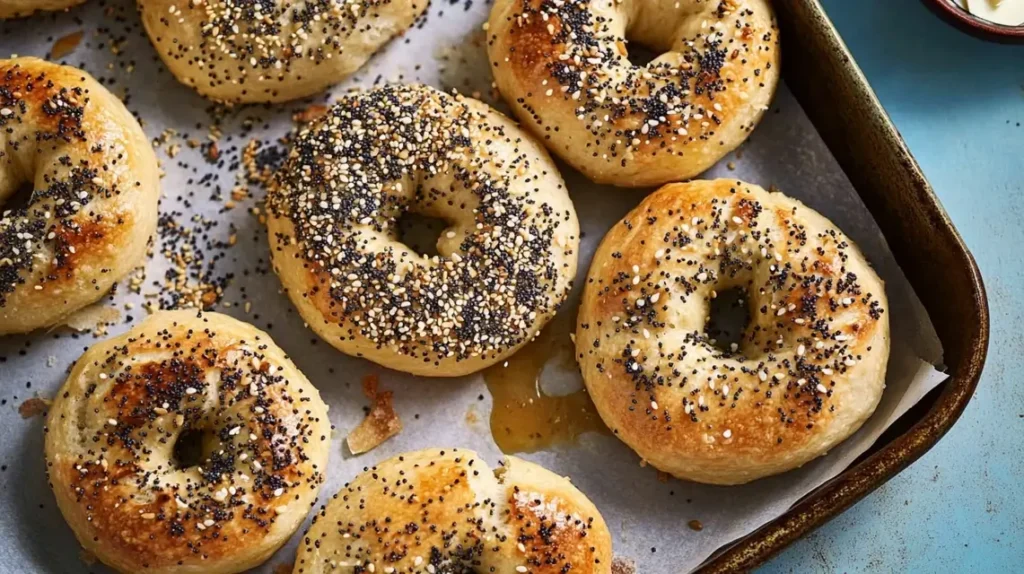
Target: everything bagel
{"points": [[446, 511], [94, 189], [112, 432], [19, 8], [504, 265], [241, 51], [564, 69], [809, 370]]}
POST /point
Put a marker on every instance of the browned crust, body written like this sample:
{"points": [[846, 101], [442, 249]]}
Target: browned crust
{"points": [[132, 506], [447, 507], [526, 50], [763, 428], [87, 244], [554, 545], [230, 68], [531, 49], [111, 499], [95, 191], [22, 8], [381, 422]]}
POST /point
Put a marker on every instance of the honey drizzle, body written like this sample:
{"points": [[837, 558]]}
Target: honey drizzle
{"points": [[523, 417]]}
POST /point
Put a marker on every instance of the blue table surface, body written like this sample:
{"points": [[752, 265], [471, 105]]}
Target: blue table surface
{"points": [[959, 103]]}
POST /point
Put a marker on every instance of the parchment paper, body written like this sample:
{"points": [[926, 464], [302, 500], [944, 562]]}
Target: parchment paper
{"points": [[648, 517]]}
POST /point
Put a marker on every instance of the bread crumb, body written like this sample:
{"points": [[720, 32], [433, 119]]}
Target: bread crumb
{"points": [[471, 415], [380, 424], [211, 152], [311, 113], [34, 407], [93, 318], [622, 565]]}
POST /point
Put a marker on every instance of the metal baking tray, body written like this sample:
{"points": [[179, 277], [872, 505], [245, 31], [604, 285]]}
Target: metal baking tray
{"points": [[830, 87], [833, 93]]}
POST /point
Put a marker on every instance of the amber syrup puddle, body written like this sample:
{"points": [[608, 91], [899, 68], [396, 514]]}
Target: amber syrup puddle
{"points": [[523, 417]]}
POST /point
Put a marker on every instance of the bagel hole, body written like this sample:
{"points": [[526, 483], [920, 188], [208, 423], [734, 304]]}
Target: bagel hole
{"points": [[421, 232], [728, 319], [189, 448], [19, 200], [640, 55]]}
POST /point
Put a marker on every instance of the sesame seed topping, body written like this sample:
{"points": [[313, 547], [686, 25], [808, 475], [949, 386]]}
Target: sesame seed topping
{"points": [[554, 58], [787, 370], [379, 154], [261, 51], [496, 515], [126, 469]]}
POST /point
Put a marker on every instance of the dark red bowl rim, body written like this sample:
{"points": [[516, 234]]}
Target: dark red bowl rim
{"points": [[978, 27]]}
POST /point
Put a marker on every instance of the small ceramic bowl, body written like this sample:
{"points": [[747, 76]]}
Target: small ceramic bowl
{"points": [[953, 13]]}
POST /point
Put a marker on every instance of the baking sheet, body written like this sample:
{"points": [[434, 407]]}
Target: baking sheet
{"points": [[648, 516]]}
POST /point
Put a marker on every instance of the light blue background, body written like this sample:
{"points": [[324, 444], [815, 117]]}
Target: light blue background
{"points": [[957, 101]]}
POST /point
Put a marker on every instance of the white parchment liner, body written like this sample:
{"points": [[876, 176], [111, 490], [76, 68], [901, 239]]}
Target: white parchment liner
{"points": [[647, 517]]}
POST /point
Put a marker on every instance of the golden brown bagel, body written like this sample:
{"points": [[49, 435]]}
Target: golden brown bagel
{"points": [[563, 67], [19, 8], [112, 431], [506, 261], [808, 372], [239, 51], [446, 511], [93, 202]]}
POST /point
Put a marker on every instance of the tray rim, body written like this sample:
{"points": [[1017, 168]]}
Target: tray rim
{"points": [[863, 477], [834, 497]]}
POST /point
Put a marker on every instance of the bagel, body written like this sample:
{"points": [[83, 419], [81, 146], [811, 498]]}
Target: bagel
{"points": [[93, 204], [506, 261], [564, 69], [19, 8], [446, 511], [244, 52], [111, 438], [809, 370]]}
